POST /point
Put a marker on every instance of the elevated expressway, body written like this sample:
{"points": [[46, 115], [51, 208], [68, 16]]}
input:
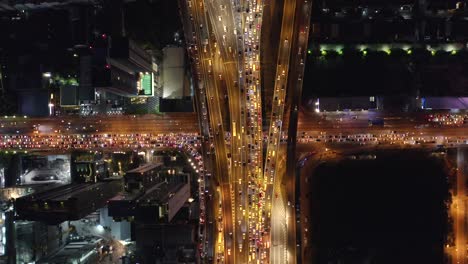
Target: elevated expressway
{"points": [[253, 185], [223, 40]]}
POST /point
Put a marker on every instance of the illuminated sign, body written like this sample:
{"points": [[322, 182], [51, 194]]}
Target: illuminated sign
{"points": [[145, 83]]}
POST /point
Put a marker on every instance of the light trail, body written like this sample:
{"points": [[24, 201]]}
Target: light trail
{"points": [[459, 252]]}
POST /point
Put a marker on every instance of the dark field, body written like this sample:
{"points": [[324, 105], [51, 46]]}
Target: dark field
{"points": [[388, 210]]}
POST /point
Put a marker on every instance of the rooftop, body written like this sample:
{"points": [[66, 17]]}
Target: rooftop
{"points": [[73, 251], [145, 168]]}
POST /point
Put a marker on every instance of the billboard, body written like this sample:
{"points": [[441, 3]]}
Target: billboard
{"points": [[145, 83], [46, 169]]}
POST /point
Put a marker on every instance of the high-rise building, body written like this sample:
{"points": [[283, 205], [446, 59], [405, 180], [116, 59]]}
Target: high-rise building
{"points": [[63, 57], [387, 49]]}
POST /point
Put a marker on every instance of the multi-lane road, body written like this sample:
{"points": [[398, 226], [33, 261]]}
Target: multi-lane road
{"points": [[253, 218], [458, 253], [346, 131], [223, 41], [226, 37], [173, 122]]}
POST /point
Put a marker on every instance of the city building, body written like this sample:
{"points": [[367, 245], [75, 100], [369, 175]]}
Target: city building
{"points": [[398, 21], [420, 44], [329, 104], [66, 202], [444, 103], [176, 81], [74, 252], [57, 59], [121, 230], [171, 243], [30, 56], [156, 202], [86, 167], [174, 76], [124, 75], [153, 193], [32, 241]]}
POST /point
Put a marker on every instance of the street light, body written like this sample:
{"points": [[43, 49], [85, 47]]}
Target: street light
{"points": [[99, 228], [51, 107]]}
